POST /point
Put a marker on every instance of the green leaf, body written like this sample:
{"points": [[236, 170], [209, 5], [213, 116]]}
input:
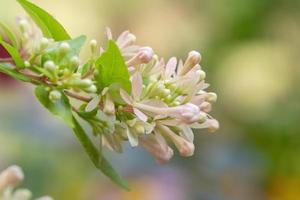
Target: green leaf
{"points": [[112, 69], [97, 158], [7, 69], [48, 24], [14, 53], [7, 32], [52, 53], [86, 68], [60, 108]]}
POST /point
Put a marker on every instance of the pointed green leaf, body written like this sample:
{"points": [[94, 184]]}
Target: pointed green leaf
{"points": [[48, 24], [8, 69], [60, 108], [97, 158], [14, 53], [112, 68], [7, 32]]}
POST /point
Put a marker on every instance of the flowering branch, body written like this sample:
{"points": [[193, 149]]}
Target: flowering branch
{"points": [[127, 92]]}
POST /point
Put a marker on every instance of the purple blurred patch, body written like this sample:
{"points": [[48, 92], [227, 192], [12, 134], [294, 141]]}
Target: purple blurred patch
{"points": [[4, 79]]}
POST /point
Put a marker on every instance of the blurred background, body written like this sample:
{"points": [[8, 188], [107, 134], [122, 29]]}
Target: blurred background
{"points": [[251, 53]]}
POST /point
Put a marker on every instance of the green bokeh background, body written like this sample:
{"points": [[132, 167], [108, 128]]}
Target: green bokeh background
{"points": [[251, 53]]}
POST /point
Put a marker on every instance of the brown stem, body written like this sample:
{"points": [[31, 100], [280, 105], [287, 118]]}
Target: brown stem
{"points": [[90, 72], [6, 60], [33, 76], [76, 96], [74, 109]]}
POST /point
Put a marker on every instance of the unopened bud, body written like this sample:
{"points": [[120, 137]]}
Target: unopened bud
{"points": [[213, 125], [206, 107], [44, 43], [202, 118], [50, 66], [202, 74], [146, 54], [54, 95], [74, 62], [211, 97], [91, 89], [166, 92], [139, 129], [86, 83], [64, 48], [27, 63], [11, 177], [93, 45], [193, 59], [24, 25]]}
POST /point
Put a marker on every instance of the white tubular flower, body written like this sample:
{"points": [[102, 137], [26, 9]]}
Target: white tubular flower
{"points": [[158, 147], [11, 177], [187, 113], [184, 147], [193, 59]]}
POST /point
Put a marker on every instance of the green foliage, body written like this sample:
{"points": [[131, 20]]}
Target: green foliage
{"points": [[7, 69], [112, 70], [96, 156], [60, 108], [14, 53], [48, 24], [86, 67], [7, 32]]}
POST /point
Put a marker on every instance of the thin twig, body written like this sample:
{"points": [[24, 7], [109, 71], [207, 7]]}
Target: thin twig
{"points": [[6, 60], [74, 109], [76, 96]]}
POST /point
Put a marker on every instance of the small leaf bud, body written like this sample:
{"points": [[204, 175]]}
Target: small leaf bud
{"points": [[211, 97], [93, 45], [54, 95], [91, 89], [64, 48], [50, 66]]}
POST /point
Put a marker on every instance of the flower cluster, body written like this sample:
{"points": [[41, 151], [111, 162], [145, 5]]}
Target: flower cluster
{"points": [[9, 179], [167, 99], [124, 91], [166, 102]]}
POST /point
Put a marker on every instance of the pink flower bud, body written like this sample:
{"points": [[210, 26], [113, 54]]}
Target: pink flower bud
{"points": [[144, 55], [161, 154], [193, 59], [184, 147], [11, 177]]}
